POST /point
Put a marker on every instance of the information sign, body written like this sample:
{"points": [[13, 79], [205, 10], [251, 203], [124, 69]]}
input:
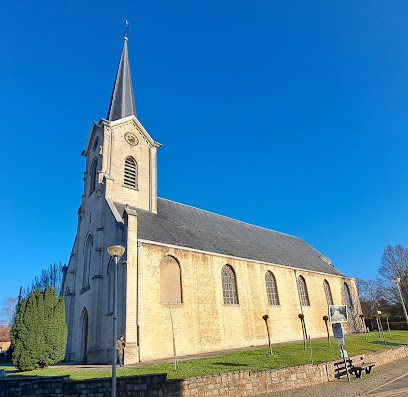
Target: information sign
{"points": [[337, 331], [338, 314]]}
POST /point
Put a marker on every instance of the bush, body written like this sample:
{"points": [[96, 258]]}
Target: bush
{"points": [[39, 332]]}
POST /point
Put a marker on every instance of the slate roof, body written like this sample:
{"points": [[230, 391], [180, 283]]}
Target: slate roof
{"points": [[184, 226], [122, 103]]}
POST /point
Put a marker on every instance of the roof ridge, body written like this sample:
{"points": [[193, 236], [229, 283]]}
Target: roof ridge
{"points": [[233, 219]]}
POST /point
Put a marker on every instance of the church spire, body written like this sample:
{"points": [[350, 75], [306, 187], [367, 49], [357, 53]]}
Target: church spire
{"points": [[122, 103]]}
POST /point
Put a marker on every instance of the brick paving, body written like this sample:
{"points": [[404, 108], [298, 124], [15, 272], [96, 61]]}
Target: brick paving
{"points": [[385, 380]]}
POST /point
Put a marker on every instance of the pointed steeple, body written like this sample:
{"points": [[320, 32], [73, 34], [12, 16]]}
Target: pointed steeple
{"points": [[122, 103]]}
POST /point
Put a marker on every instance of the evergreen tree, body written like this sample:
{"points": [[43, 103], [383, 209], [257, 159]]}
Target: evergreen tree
{"points": [[39, 333], [55, 329]]}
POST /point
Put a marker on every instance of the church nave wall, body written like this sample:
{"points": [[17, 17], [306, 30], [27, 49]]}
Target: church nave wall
{"points": [[203, 322]]}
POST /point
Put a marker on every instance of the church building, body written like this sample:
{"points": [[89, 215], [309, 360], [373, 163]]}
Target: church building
{"points": [[207, 277]]}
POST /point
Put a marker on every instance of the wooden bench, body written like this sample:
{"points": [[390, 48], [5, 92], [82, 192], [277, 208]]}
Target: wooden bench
{"points": [[358, 363], [355, 365]]}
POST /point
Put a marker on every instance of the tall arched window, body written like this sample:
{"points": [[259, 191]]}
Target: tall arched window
{"points": [[130, 176], [93, 173], [349, 301], [271, 289], [303, 296], [84, 335], [229, 285], [170, 281], [327, 292], [87, 260], [110, 285], [67, 300]]}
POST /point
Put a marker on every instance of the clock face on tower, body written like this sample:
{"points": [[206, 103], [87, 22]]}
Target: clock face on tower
{"points": [[131, 138]]}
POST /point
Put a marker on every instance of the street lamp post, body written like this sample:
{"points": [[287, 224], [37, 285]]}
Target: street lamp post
{"points": [[115, 251], [397, 282]]}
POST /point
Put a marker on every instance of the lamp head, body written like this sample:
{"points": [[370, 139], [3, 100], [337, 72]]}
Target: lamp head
{"points": [[396, 280], [116, 250]]}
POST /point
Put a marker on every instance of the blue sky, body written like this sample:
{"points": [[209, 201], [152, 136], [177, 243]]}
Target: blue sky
{"points": [[288, 115]]}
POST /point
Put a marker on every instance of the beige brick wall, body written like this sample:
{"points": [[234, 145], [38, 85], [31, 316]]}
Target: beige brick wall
{"points": [[204, 323], [115, 151]]}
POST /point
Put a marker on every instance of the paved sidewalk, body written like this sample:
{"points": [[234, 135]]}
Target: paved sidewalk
{"points": [[393, 388], [385, 380]]}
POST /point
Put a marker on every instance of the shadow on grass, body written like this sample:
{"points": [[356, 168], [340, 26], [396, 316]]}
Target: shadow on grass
{"points": [[381, 342], [15, 374], [7, 365], [232, 364]]}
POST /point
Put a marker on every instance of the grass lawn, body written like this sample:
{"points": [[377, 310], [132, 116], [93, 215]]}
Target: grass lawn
{"points": [[284, 355]]}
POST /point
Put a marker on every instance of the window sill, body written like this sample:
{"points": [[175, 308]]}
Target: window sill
{"points": [[130, 187], [84, 289], [172, 303], [231, 304]]}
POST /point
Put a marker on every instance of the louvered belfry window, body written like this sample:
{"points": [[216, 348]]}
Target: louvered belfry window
{"points": [[304, 298], [327, 291], [271, 289], [130, 177], [229, 286]]}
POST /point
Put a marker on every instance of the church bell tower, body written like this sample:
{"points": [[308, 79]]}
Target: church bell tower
{"points": [[121, 155]]}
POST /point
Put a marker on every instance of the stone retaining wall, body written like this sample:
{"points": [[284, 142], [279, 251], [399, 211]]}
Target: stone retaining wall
{"points": [[233, 383]]}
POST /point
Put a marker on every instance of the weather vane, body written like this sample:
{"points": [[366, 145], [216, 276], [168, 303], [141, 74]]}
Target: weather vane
{"points": [[127, 27]]}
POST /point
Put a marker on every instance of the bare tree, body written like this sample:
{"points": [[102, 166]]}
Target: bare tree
{"points": [[8, 311], [394, 263], [368, 291], [50, 277]]}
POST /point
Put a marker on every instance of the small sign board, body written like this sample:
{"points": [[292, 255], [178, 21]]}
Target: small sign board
{"points": [[343, 353], [337, 331], [338, 314], [340, 341]]}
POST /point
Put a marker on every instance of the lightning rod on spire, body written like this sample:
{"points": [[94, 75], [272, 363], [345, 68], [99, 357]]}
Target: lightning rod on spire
{"points": [[127, 27]]}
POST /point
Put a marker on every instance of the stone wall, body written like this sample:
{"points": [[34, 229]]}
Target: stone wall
{"points": [[233, 383], [36, 386]]}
